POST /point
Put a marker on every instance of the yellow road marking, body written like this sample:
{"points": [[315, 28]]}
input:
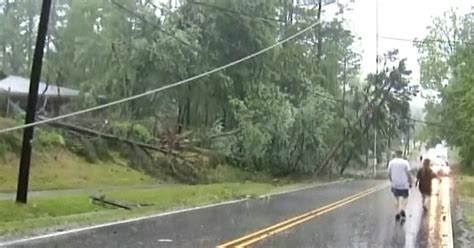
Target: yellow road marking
{"points": [[446, 228], [432, 211], [287, 224], [439, 222]]}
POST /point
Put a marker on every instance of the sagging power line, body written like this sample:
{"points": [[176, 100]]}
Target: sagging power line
{"points": [[173, 85], [425, 41]]}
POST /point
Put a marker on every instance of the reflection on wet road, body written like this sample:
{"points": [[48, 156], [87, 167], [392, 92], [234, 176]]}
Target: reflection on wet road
{"points": [[367, 221]]}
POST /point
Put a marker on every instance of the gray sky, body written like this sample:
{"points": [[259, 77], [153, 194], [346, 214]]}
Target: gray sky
{"points": [[405, 19]]}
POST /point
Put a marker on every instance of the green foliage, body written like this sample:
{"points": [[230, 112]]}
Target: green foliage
{"points": [[436, 57], [87, 150], [140, 160], [48, 139], [10, 142], [102, 149], [278, 136], [278, 102], [43, 139], [449, 116], [130, 130]]}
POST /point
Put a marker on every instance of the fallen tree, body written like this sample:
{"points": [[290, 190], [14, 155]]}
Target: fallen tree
{"points": [[178, 158]]}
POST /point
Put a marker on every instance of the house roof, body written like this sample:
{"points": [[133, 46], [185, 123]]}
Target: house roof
{"points": [[20, 86]]}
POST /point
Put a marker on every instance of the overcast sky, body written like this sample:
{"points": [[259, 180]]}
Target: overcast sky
{"points": [[405, 19]]}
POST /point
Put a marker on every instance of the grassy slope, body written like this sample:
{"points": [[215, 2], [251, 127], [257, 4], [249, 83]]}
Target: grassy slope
{"points": [[464, 185], [77, 210], [465, 188], [54, 167], [61, 169]]}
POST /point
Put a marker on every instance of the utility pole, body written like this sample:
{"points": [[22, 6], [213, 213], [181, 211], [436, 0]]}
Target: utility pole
{"points": [[344, 83], [320, 28], [25, 159], [376, 76]]}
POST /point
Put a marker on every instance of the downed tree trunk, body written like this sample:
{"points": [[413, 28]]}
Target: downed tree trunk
{"points": [[144, 146], [210, 153], [92, 132]]}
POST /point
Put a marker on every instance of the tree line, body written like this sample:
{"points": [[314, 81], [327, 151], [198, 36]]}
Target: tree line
{"points": [[281, 112], [446, 66]]}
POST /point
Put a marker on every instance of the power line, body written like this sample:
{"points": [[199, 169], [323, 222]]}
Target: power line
{"points": [[439, 124], [173, 85], [424, 41]]}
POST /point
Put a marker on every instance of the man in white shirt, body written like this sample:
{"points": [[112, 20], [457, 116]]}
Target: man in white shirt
{"points": [[399, 176]]}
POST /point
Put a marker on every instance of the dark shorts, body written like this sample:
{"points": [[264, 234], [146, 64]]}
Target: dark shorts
{"points": [[400, 192]]}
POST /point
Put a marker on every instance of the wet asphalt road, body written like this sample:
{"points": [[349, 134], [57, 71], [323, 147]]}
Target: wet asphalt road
{"points": [[367, 222]]}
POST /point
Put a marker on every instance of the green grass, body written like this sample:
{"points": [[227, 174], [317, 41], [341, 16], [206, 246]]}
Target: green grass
{"points": [[61, 169], [76, 210], [55, 167], [465, 186]]}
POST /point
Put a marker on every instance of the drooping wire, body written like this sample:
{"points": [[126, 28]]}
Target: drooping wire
{"points": [[173, 85]]}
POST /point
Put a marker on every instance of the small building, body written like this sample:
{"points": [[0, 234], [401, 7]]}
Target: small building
{"points": [[14, 90]]}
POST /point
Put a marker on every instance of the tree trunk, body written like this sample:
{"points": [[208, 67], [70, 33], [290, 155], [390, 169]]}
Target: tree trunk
{"points": [[285, 15], [180, 118], [291, 11], [155, 127], [224, 118], [367, 150], [52, 28], [31, 32], [320, 29], [6, 11], [346, 162], [188, 107], [206, 117]]}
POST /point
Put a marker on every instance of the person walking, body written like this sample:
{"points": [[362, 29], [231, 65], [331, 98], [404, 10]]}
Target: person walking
{"points": [[424, 179], [401, 182]]}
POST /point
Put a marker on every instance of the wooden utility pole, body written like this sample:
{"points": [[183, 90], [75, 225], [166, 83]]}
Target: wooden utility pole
{"points": [[376, 77], [344, 83], [25, 159]]}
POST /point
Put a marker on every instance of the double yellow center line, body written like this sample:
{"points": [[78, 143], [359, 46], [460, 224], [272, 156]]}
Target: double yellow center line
{"points": [[287, 224], [446, 228]]}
